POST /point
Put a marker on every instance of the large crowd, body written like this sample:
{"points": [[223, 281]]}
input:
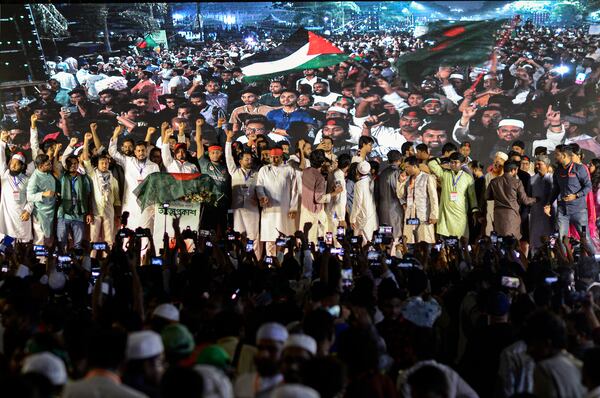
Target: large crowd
{"points": [[371, 236]]}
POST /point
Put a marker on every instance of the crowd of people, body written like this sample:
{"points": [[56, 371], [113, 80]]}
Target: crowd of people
{"points": [[372, 236]]}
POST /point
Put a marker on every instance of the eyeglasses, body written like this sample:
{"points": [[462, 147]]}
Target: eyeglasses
{"points": [[250, 130]]}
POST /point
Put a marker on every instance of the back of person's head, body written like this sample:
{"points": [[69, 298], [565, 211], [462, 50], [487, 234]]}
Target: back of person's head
{"points": [[365, 140], [416, 282], [510, 166], [319, 324], [359, 350], [228, 323], [106, 348], [545, 333], [317, 158], [344, 161], [449, 147], [327, 375], [179, 382], [428, 381]]}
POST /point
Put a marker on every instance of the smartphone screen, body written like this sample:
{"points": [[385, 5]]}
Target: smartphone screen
{"points": [[329, 238], [249, 245]]}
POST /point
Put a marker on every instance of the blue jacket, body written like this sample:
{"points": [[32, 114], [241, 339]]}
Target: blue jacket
{"points": [[572, 179], [283, 120]]}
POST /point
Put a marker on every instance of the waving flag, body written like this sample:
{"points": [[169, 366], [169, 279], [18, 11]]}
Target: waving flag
{"points": [[455, 44], [302, 50], [148, 42]]}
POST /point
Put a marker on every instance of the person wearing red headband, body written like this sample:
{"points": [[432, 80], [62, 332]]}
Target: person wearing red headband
{"points": [[176, 162], [277, 192], [212, 165]]}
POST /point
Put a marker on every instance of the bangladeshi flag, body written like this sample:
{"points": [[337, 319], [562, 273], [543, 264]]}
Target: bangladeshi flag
{"points": [[302, 50], [463, 43], [159, 188], [148, 42]]}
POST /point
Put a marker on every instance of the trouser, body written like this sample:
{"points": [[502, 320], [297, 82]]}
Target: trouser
{"points": [[102, 230], [248, 221], [319, 224], [38, 234], [579, 220], [77, 229]]}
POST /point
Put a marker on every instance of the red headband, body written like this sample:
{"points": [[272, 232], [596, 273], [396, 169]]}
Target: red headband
{"points": [[276, 152], [215, 148], [181, 145]]}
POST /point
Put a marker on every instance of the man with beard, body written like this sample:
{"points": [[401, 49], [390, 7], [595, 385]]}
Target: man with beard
{"points": [[435, 136], [541, 187], [289, 114], [270, 339], [479, 133], [136, 169], [14, 207], [210, 113], [321, 93], [430, 87], [337, 130], [213, 166], [42, 191], [214, 96], [310, 78], [251, 107], [75, 208], [176, 162], [169, 111], [105, 195], [339, 112], [277, 190], [389, 138], [147, 88], [389, 207], [272, 97], [297, 351], [44, 124], [314, 195], [524, 90]]}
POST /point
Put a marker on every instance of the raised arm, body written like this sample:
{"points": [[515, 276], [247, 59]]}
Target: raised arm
{"points": [[112, 147], [229, 161], [68, 151], [94, 130], [435, 168], [148, 139], [33, 138], [200, 147], [4, 136], [85, 155], [165, 151]]}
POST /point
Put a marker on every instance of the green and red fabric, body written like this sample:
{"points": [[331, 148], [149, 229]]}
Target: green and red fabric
{"points": [[167, 187], [461, 43], [302, 50], [148, 42]]}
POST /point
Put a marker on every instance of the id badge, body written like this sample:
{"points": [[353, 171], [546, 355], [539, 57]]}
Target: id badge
{"points": [[140, 181], [17, 196], [244, 190], [453, 196], [413, 221]]}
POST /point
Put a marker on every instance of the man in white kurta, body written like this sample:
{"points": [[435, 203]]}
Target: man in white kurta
{"points": [[105, 190], [136, 169], [15, 220], [277, 191], [363, 217], [244, 202]]}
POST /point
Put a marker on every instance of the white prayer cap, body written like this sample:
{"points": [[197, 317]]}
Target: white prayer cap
{"points": [[338, 109], [364, 167], [501, 155], [78, 150], [23, 271], [511, 122], [488, 77], [19, 156], [456, 76], [143, 345], [294, 391], [167, 311], [302, 341], [272, 331], [48, 365]]}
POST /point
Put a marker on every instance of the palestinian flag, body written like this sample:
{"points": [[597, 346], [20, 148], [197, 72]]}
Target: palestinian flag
{"points": [[463, 43], [168, 187], [148, 42], [302, 50]]}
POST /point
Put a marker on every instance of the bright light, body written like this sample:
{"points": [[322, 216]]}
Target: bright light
{"points": [[326, 19], [229, 19], [177, 16], [417, 6], [249, 40], [562, 69]]}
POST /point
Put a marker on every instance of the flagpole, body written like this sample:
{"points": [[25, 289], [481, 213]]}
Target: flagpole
{"points": [[503, 39]]}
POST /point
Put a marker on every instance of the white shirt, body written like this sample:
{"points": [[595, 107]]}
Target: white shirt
{"points": [[66, 80], [551, 141], [176, 166], [328, 99], [387, 138]]}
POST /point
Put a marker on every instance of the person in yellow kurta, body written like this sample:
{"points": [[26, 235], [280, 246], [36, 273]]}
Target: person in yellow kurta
{"points": [[457, 196]]}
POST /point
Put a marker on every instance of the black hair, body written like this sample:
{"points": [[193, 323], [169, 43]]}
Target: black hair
{"points": [[344, 160], [476, 164], [457, 156], [519, 143], [544, 326], [510, 166], [422, 148], [365, 140], [198, 94], [411, 160], [449, 147], [406, 146], [317, 158], [41, 159], [429, 380]]}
